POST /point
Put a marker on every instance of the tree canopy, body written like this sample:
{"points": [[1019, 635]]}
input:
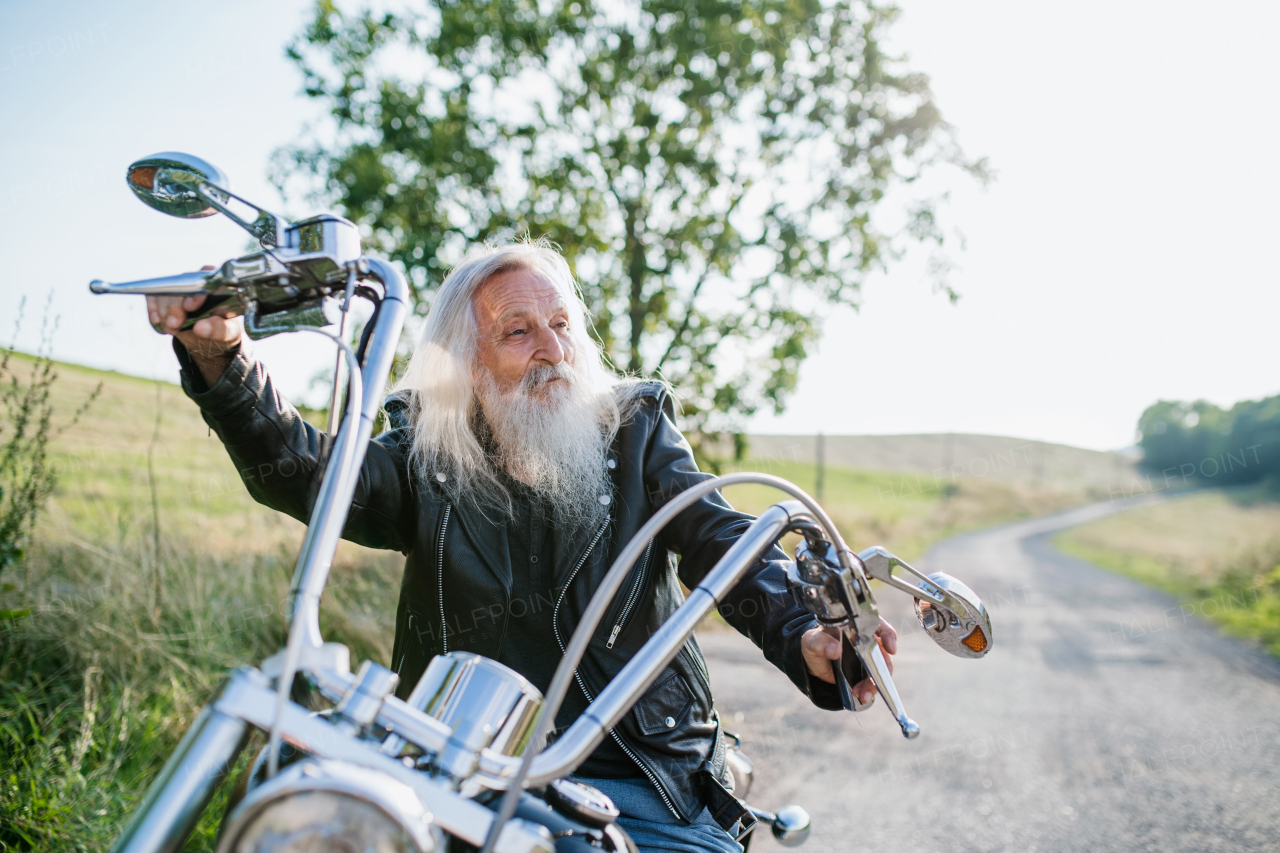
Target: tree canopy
{"points": [[1202, 442], [712, 170]]}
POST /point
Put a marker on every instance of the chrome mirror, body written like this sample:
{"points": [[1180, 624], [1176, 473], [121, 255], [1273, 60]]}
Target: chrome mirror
{"points": [[950, 612], [963, 630], [183, 185], [170, 182]]}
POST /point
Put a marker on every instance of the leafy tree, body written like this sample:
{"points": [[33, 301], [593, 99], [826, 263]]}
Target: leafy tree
{"points": [[1203, 442], [713, 170]]}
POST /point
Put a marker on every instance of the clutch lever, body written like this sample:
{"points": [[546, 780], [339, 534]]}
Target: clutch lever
{"points": [[184, 284], [272, 297]]}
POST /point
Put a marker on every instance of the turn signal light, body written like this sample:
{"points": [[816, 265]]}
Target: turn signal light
{"points": [[144, 176], [976, 641]]}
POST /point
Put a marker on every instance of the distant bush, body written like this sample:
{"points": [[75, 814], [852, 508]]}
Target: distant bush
{"points": [[1201, 441]]}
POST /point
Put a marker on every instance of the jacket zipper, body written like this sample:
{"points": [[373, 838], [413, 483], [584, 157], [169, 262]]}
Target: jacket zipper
{"points": [[577, 676], [644, 768], [404, 650], [444, 626], [555, 611], [631, 597]]}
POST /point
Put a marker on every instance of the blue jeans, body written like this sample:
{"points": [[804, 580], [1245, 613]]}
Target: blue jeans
{"points": [[654, 828]]}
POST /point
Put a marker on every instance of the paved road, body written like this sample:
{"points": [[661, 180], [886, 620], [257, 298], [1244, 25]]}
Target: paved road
{"points": [[1105, 718]]}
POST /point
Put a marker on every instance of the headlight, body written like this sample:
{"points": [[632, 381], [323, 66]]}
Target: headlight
{"points": [[330, 807]]}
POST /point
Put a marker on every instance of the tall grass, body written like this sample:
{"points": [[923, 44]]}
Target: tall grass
{"points": [[94, 692], [101, 679], [1253, 580]]}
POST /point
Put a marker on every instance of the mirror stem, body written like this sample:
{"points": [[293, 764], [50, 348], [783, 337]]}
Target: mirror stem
{"points": [[267, 227]]}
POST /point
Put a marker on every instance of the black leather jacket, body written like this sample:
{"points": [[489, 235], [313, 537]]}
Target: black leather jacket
{"points": [[457, 576]]}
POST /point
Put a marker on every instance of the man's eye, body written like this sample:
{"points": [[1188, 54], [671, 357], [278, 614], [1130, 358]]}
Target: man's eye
{"points": [[515, 332]]}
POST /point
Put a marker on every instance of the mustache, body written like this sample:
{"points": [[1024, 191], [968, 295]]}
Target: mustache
{"points": [[541, 374]]}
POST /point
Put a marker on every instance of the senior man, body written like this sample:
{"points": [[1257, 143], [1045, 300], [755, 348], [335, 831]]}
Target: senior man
{"points": [[515, 467]]}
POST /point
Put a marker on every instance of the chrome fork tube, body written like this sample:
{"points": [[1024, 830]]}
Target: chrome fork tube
{"points": [[338, 486], [183, 788], [334, 501]]}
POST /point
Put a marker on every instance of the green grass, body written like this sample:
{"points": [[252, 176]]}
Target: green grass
{"points": [[99, 683], [907, 512], [1218, 550]]}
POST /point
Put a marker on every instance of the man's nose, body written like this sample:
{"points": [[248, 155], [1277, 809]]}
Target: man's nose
{"points": [[551, 349]]}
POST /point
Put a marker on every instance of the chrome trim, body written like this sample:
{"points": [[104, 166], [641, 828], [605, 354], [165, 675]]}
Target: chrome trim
{"points": [[156, 178], [744, 772], [964, 610], [250, 700], [396, 715], [397, 801], [371, 686], [338, 486], [483, 702], [832, 584]]}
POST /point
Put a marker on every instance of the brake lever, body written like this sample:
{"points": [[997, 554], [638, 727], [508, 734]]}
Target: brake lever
{"points": [[841, 597]]}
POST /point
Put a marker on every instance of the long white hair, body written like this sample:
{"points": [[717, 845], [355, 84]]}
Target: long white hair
{"points": [[441, 376]]}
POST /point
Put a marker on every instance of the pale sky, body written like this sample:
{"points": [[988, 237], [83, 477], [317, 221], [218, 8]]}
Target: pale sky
{"points": [[1124, 253]]}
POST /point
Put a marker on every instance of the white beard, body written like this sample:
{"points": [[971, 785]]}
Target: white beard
{"points": [[548, 435]]}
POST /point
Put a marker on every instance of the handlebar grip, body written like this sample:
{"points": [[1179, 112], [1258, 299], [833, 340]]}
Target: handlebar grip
{"points": [[848, 672], [184, 284]]}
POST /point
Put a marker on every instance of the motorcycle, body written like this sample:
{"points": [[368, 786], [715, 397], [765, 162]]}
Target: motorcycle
{"points": [[461, 763]]}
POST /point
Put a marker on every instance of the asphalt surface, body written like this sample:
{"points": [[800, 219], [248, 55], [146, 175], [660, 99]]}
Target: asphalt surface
{"points": [[1106, 717]]}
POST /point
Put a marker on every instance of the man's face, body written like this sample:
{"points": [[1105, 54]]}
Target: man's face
{"points": [[523, 324]]}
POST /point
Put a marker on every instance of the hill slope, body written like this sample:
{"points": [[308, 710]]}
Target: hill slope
{"points": [[948, 455]]}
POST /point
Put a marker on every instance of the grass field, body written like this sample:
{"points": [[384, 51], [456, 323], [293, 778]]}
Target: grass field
{"points": [[1216, 549], [153, 572]]}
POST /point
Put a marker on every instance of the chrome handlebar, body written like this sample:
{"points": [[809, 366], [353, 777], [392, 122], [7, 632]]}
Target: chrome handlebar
{"points": [[280, 289]]}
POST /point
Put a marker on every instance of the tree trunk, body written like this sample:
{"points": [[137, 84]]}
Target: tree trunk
{"points": [[636, 269]]}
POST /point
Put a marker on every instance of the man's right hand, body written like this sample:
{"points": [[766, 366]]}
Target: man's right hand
{"points": [[209, 341]]}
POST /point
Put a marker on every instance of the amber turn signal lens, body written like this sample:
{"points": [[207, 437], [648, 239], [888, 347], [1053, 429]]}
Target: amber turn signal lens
{"points": [[976, 641], [144, 176]]}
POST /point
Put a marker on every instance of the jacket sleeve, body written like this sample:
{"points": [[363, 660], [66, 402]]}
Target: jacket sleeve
{"points": [[760, 606], [281, 458]]}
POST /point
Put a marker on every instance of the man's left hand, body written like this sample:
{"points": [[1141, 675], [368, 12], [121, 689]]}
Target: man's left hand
{"points": [[821, 646]]}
